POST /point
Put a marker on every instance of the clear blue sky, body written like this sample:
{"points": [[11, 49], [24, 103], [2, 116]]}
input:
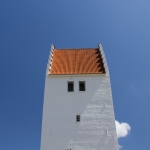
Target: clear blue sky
{"points": [[29, 27]]}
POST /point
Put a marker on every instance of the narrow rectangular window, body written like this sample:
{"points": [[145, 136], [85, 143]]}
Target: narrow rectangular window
{"points": [[70, 87], [81, 85], [77, 118]]}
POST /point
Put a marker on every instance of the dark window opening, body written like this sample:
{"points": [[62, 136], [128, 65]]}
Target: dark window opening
{"points": [[81, 85], [70, 87], [78, 118]]}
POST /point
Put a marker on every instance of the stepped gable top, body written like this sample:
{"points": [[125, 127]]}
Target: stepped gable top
{"points": [[76, 61]]}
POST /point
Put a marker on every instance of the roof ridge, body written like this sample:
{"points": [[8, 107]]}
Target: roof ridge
{"points": [[74, 48]]}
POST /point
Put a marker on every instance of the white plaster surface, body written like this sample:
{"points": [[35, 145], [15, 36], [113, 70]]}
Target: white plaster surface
{"points": [[96, 131]]}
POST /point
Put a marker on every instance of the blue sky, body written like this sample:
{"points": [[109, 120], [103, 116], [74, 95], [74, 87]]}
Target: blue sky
{"points": [[28, 28]]}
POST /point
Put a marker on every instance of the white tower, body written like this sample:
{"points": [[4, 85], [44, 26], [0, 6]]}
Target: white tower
{"points": [[78, 109]]}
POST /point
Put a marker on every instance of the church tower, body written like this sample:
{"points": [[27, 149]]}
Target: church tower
{"points": [[78, 111]]}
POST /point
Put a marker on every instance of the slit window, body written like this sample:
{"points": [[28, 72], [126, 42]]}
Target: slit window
{"points": [[70, 86], [77, 118], [81, 85]]}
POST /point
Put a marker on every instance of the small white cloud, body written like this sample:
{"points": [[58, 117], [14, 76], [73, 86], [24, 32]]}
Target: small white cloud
{"points": [[122, 129], [120, 147]]}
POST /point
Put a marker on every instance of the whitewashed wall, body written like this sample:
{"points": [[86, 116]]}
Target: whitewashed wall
{"points": [[96, 131]]}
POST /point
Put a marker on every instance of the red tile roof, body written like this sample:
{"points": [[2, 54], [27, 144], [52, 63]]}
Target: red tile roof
{"points": [[77, 61]]}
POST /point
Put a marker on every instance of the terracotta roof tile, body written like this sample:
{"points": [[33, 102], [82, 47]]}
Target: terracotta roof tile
{"points": [[77, 61]]}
